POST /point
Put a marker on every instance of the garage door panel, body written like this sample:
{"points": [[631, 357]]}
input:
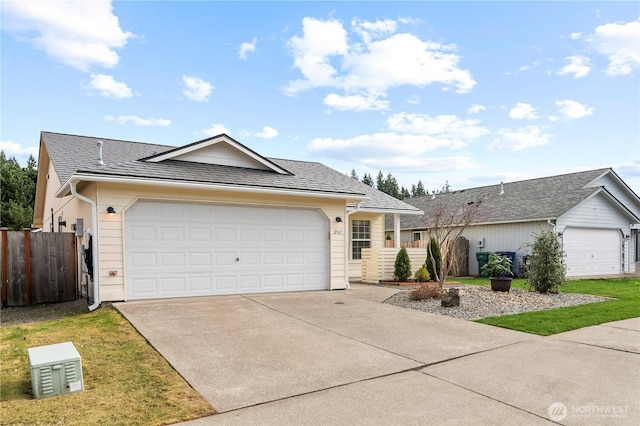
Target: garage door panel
{"points": [[225, 234], [198, 249], [200, 284], [592, 251], [226, 282], [198, 234]]}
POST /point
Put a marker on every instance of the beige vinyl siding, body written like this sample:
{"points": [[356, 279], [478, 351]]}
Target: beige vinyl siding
{"points": [[377, 239], [121, 197]]}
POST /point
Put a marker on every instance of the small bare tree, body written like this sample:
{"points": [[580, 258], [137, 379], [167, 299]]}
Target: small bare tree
{"points": [[446, 222]]}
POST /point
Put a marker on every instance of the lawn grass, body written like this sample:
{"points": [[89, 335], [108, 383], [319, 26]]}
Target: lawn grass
{"points": [[626, 304], [126, 381]]}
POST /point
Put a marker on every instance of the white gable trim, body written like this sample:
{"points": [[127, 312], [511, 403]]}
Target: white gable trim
{"points": [[188, 153]]}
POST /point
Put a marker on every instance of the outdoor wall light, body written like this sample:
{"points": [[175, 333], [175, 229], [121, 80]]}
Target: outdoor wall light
{"points": [[111, 211], [338, 219]]}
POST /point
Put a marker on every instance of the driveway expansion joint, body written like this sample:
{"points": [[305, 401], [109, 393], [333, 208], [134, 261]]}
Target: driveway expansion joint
{"points": [[490, 397]]}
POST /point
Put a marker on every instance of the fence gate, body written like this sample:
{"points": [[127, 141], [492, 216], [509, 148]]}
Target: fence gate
{"points": [[38, 267]]}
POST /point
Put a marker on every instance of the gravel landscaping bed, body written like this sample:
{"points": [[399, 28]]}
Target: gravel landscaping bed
{"points": [[480, 302]]}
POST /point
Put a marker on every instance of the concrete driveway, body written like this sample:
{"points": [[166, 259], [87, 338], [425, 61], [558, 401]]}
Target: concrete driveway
{"points": [[345, 358]]}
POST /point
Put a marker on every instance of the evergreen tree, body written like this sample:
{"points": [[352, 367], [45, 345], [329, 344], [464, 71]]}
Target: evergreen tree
{"points": [[419, 190], [404, 193], [17, 192], [380, 182], [367, 179], [354, 175], [391, 186]]}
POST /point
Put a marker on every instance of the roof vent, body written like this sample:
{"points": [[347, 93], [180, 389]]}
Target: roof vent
{"points": [[501, 188], [433, 195], [100, 160]]}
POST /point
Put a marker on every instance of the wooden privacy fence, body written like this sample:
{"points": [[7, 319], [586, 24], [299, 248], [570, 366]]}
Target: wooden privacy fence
{"points": [[378, 264], [37, 267]]}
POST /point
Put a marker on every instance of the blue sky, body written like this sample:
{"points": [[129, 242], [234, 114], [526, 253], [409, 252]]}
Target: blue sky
{"points": [[472, 93]]}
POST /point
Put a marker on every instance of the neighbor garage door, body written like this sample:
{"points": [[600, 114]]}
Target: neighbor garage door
{"points": [[182, 249], [592, 251]]}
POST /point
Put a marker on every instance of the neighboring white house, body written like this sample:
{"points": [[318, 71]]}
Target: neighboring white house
{"points": [[209, 218], [594, 213]]}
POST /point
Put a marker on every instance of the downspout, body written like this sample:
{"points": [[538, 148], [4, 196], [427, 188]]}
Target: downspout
{"points": [[346, 242], [94, 243]]}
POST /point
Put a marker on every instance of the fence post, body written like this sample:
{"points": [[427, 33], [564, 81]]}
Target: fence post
{"points": [[4, 273], [27, 263]]}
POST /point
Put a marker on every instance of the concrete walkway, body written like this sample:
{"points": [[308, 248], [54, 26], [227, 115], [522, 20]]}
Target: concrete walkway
{"points": [[345, 358]]}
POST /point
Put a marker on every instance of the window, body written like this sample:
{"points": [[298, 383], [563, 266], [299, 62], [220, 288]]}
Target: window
{"points": [[360, 237], [416, 236]]}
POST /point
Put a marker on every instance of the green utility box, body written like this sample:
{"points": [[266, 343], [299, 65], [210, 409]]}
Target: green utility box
{"points": [[482, 257], [55, 370]]}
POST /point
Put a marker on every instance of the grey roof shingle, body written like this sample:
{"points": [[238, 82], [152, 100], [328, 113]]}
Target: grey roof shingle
{"points": [[527, 200], [71, 154]]}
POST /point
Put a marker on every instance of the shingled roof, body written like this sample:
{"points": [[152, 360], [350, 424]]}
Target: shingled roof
{"points": [[544, 198], [76, 156]]}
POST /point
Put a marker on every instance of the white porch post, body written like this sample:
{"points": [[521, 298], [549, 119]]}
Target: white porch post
{"points": [[396, 230]]}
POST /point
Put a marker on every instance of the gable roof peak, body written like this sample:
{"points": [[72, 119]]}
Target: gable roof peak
{"points": [[220, 150]]}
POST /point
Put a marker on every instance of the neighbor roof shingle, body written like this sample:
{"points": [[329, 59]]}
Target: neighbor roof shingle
{"points": [[527, 200]]}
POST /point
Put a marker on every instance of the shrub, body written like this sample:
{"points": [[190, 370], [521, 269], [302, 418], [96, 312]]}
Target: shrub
{"points": [[402, 270], [546, 272], [422, 275], [435, 250], [497, 266], [426, 291]]}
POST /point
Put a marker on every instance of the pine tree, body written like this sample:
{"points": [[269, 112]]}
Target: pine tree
{"points": [[420, 191], [354, 175], [380, 182], [367, 179], [404, 193]]}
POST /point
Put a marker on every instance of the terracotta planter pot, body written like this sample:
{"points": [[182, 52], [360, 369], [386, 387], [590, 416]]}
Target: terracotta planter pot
{"points": [[500, 283]]}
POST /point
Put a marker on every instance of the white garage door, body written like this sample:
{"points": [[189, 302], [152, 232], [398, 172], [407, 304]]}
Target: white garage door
{"points": [[183, 249], [592, 251]]}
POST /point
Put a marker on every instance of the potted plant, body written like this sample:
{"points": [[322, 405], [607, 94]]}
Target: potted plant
{"points": [[499, 270]]}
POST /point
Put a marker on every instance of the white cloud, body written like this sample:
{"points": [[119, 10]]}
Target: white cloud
{"points": [[523, 111], [420, 164], [379, 146], [579, 66], [448, 127], [108, 87], [312, 53], [367, 69], [247, 47], [519, 139], [355, 102], [575, 36], [573, 109], [373, 30], [409, 143], [476, 108], [619, 43], [14, 149], [196, 88], [215, 130], [266, 133], [414, 100], [81, 34], [138, 121]]}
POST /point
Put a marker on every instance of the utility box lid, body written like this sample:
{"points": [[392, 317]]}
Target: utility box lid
{"points": [[55, 370], [60, 352]]}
